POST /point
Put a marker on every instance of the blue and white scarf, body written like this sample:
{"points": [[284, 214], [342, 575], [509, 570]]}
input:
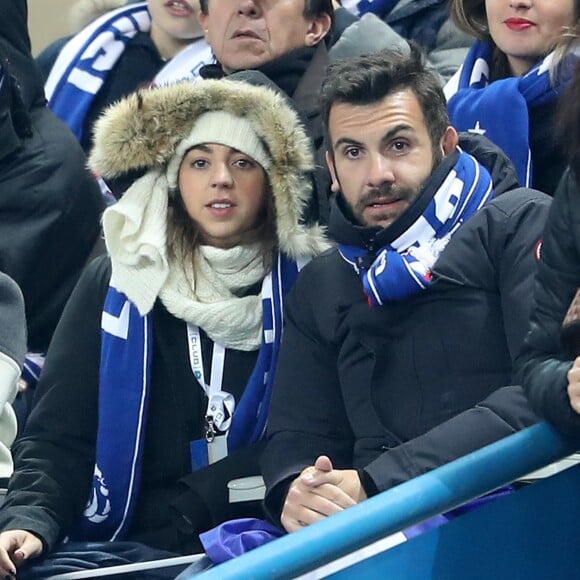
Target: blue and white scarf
{"points": [[499, 109], [124, 385], [403, 268], [84, 62], [379, 7]]}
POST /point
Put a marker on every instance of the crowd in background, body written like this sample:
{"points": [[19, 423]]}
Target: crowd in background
{"points": [[166, 173]]}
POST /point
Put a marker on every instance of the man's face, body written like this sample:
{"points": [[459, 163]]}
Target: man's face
{"points": [[245, 34], [382, 155]]}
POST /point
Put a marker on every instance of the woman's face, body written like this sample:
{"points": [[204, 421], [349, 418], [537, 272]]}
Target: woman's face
{"points": [[223, 191], [174, 24], [526, 30]]}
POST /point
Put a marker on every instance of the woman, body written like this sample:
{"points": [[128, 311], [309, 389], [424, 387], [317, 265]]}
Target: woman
{"points": [[117, 53], [504, 89], [173, 337], [549, 367]]}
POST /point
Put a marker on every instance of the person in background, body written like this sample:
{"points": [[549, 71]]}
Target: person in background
{"points": [[548, 366], [115, 54], [426, 23], [504, 89], [51, 205], [398, 345], [167, 349]]}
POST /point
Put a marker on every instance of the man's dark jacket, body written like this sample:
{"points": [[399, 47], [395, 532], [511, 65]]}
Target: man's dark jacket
{"points": [[398, 390]]}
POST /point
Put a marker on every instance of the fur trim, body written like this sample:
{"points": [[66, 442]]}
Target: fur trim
{"points": [[83, 12], [143, 130]]}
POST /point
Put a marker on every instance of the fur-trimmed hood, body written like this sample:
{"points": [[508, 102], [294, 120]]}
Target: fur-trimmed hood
{"points": [[143, 131]]}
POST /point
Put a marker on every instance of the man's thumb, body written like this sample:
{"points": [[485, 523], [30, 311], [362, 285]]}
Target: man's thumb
{"points": [[323, 463]]}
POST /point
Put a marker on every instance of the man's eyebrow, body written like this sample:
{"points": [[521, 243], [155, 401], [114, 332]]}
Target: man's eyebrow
{"points": [[401, 128]]}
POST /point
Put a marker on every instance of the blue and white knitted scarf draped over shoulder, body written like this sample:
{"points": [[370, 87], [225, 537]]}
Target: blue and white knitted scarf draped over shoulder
{"points": [[124, 384], [499, 110], [403, 268], [85, 61]]}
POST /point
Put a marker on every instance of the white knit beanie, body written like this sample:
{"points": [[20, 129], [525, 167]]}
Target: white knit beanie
{"points": [[222, 128]]}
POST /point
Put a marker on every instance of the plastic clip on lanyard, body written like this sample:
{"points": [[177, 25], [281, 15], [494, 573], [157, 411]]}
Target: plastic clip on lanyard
{"points": [[220, 405]]}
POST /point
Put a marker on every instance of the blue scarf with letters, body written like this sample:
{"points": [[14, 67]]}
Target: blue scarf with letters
{"points": [[124, 384], [403, 267], [499, 110], [85, 61]]}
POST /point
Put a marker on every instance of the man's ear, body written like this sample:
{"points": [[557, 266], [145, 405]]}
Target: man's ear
{"points": [[334, 185], [318, 28], [449, 141]]}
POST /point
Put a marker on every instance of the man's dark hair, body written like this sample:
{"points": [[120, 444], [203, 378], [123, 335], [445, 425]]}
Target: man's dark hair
{"points": [[312, 8], [368, 79]]}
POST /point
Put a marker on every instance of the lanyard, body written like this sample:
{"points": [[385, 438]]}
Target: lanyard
{"points": [[220, 404]]}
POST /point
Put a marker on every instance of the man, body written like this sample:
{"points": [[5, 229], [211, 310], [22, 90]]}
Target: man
{"points": [[398, 345]]}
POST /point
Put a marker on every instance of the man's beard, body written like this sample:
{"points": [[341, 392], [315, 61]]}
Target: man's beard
{"points": [[389, 192], [386, 193]]}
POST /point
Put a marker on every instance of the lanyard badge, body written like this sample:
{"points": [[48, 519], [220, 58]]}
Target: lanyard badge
{"points": [[220, 404]]}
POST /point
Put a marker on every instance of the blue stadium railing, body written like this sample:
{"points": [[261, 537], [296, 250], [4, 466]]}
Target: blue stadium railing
{"points": [[531, 533]]}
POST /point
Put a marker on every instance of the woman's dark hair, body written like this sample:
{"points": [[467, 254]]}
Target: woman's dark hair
{"points": [[470, 16]]}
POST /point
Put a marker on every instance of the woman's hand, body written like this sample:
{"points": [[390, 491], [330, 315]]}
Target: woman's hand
{"points": [[15, 547], [574, 385]]}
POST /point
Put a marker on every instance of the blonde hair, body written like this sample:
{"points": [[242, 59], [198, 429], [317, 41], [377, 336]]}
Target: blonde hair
{"points": [[470, 16]]}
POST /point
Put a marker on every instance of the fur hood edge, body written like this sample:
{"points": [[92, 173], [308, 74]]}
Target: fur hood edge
{"points": [[143, 130]]}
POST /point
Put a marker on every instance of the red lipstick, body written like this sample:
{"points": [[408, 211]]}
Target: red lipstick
{"points": [[518, 24]]}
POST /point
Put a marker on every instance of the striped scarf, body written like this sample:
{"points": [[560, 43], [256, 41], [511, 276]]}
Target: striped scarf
{"points": [[499, 110], [403, 267], [124, 393]]}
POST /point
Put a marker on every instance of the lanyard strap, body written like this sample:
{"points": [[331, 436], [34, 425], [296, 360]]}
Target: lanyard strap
{"points": [[220, 404]]}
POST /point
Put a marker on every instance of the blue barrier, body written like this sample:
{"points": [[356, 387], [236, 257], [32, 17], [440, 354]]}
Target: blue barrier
{"points": [[528, 535], [401, 507]]}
